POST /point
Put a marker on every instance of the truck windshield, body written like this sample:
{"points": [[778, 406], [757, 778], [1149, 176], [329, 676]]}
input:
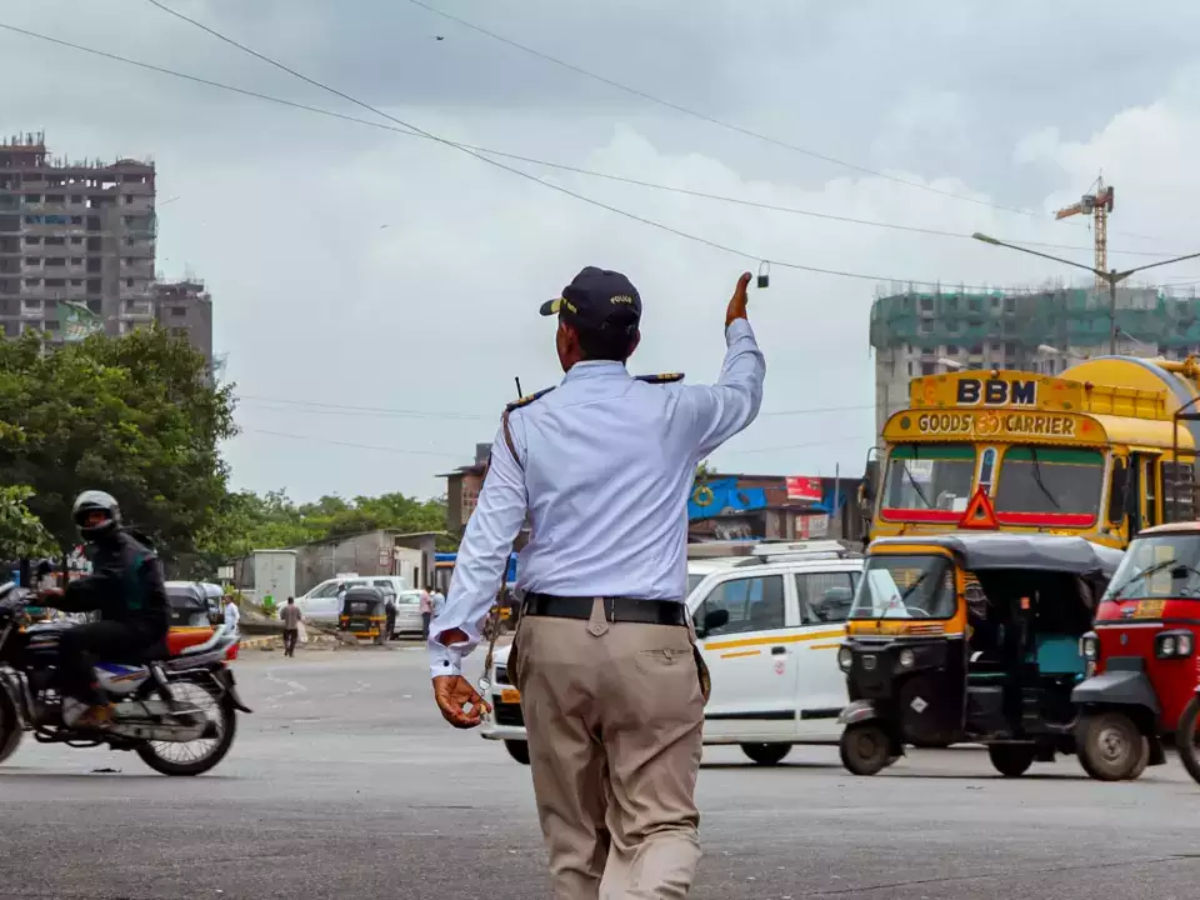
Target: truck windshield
{"points": [[905, 587], [929, 480], [1061, 485], [1155, 568]]}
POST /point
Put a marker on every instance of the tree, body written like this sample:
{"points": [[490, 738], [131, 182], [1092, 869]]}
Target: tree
{"points": [[21, 534], [135, 416]]}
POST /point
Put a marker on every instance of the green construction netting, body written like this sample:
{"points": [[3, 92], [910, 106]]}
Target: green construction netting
{"points": [[1075, 317]]}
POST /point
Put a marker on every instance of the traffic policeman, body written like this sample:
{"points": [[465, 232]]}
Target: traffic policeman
{"points": [[612, 687]]}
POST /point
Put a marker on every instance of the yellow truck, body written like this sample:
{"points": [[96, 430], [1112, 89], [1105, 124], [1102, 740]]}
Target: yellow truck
{"points": [[1102, 451]]}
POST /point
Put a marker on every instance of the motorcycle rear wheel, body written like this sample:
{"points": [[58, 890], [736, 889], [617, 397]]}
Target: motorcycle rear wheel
{"points": [[151, 752]]}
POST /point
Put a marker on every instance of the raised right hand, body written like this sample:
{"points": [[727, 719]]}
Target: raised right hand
{"points": [[737, 303]]}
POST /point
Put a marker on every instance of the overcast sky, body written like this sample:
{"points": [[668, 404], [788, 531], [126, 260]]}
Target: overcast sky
{"points": [[355, 270]]}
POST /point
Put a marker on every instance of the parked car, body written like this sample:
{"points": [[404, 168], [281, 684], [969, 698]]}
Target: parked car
{"points": [[769, 626], [320, 604], [408, 614]]}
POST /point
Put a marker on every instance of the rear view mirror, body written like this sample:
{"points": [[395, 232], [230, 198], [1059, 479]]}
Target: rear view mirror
{"points": [[714, 619]]}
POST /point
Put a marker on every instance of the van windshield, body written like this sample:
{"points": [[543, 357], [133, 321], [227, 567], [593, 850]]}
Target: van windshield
{"points": [[905, 587], [1156, 568]]}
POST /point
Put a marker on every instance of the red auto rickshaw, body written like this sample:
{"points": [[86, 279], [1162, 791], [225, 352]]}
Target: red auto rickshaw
{"points": [[1141, 657]]}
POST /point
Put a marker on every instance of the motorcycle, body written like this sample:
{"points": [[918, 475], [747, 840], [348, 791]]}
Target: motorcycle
{"points": [[175, 708]]}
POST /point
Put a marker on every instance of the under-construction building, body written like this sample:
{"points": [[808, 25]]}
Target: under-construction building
{"points": [[76, 242], [914, 333]]}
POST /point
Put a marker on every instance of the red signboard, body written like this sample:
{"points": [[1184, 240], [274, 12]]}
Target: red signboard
{"points": [[803, 488]]}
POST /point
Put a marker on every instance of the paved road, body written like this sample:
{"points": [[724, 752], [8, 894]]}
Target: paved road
{"points": [[346, 784]]}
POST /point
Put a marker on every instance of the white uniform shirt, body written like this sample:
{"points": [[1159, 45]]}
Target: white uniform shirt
{"points": [[607, 463]]}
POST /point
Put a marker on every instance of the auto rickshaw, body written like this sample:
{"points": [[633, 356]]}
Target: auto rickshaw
{"points": [[1142, 657], [190, 607], [364, 614], [969, 637]]}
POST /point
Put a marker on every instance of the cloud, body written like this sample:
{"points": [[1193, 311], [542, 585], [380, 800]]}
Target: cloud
{"points": [[364, 270]]}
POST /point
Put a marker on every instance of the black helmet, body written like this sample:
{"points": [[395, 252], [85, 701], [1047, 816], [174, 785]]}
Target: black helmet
{"points": [[96, 501]]}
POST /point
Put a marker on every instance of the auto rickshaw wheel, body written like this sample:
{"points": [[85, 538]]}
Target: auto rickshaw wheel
{"points": [[1012, 760], [1110, 746], [518, 750], [1143, 762], [767, 754], [865, 748], [1186, 737], [10, 729]]}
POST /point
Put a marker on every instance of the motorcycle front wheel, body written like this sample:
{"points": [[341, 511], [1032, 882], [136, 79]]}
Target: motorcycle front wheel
{"points": [[1186, 737], [198, 756]]}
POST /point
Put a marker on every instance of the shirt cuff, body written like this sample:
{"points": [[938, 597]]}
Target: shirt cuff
{"points": [[443, 660], [738, 328]]}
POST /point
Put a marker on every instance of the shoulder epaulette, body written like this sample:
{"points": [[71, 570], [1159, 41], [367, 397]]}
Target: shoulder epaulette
{"points": [[665, 378], [527, 399]]}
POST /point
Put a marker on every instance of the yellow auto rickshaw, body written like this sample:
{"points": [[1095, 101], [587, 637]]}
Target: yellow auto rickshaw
{"points": [[969, 637], [364, 614]]}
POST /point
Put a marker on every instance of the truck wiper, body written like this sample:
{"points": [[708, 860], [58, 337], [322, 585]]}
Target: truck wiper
{"points": [[916, 487], [1037, 477]]}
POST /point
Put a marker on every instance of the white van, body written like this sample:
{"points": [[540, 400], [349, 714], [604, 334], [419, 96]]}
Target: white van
{"points": [[773, 660], [320, 604]]}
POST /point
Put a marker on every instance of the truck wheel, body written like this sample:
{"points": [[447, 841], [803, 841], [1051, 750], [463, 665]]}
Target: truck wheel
{"points": [[518, 750], [1186, 737], [1012, 760], [865, 748], [767, 754], [1110, 746]]}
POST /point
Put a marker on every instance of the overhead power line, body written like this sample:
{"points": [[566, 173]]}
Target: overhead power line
{"points": [[408, 132], [725, 248], [320, 408], [720, 123]]}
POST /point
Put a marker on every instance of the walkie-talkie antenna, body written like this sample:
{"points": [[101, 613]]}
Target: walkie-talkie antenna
{"points": [[520, 393]]}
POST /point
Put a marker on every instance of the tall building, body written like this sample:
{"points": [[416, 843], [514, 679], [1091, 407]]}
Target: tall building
{"points": [[1042, 331], [185, 307], [77, 241]]}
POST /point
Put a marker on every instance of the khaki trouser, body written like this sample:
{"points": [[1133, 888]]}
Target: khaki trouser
{"points": [[614, 713]]}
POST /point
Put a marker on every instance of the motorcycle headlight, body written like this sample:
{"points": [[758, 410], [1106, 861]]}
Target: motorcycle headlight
{"points": [[907, 659], [1089, 647], [845, 659]]}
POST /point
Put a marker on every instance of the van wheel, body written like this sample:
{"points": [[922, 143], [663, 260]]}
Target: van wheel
{"points": [[1011, 760], [518, 750], [1110, 746], [865, 748], [767, 754]]}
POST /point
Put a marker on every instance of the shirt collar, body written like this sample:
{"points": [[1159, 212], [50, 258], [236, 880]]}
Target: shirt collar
{"points": [[595, 368]]}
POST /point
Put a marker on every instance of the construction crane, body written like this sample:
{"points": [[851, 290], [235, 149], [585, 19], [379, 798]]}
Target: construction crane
{"points": [[1097, 203]]}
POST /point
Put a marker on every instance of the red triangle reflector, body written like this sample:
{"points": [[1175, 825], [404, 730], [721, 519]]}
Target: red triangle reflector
{"points": [[980, 513]]}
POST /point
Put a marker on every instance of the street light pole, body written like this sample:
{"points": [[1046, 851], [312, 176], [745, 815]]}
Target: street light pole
{"points": [[1113, 277]]}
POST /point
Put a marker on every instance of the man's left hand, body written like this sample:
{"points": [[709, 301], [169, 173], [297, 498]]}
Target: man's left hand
{"points": [[453, 693]]}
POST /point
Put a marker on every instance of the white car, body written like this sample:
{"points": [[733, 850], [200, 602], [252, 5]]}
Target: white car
{"points": [[769, 627], [320, 604], [408, 614]]}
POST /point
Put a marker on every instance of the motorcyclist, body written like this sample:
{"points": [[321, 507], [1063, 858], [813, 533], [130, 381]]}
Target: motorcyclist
{"points": [[126, 588]]}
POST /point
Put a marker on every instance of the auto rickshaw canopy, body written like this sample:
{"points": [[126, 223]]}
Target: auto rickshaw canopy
{"points": [[997, 550]]}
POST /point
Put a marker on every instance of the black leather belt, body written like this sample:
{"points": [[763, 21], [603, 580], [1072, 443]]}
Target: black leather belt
{"points": [[616, 609]]}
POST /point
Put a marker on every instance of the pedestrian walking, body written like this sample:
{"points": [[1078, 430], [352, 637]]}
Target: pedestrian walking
{"points": [[390, 611], [233, 615], [426, 612], [291, 626], [437, 600], [612, 686]]}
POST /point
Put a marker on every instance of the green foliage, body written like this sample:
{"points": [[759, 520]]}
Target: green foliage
{"points": [[21, 534], [269, 607], [248, 521], [703, 471], [134, 416]]}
